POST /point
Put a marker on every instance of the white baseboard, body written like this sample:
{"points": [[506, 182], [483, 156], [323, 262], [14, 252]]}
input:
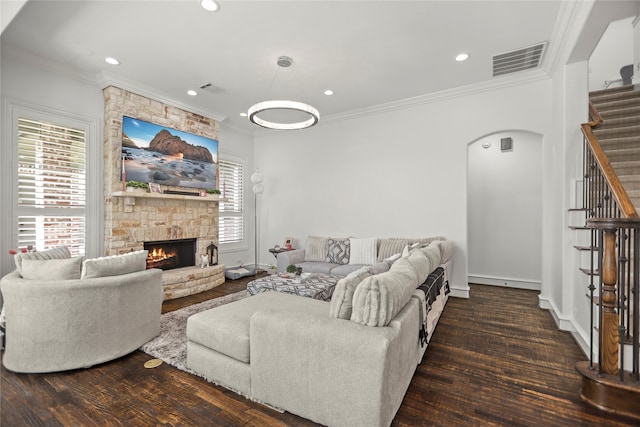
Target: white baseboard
{"points": [[505, 282], [459, 292], [566, 324]]}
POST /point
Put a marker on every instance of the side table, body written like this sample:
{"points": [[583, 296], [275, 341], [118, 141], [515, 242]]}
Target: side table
{"points": [[275, 251]]}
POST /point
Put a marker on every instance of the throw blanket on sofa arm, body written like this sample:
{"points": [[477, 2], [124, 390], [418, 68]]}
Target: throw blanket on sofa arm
{"points": [[431, 289]]}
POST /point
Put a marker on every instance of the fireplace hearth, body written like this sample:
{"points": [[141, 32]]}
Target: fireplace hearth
{"points": [[171, 254]]}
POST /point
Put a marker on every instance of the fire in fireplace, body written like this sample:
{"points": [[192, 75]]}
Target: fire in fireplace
{"points": [[170, 254]]}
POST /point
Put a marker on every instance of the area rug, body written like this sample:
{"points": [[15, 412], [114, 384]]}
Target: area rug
{"points": [[171, 345]]}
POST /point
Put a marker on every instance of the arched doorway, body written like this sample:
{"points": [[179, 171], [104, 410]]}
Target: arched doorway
{"points": [[504, 209]]}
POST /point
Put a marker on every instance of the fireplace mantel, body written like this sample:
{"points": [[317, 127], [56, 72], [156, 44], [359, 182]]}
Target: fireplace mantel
{"points": [[146, 195]]}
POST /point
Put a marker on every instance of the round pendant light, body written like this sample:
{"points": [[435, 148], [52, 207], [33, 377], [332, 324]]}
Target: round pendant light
{"points": [[299, 107]]}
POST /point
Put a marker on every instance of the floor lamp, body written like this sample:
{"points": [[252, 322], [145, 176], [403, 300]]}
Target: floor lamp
{"points": [[258, 188]]}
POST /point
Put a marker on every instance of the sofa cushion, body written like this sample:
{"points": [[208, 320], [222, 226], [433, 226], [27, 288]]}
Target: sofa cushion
{"points": [[406, 269], [421, 265], [317, 267], [389, 247], [346, 269], [379, 298], [339, 250], [114, 265], [380, 267], [412, 247], [342, 299], [51, 269], [316, 249], [393, 258], [226, 328], [446, 250], [424, 260], [363, 251], [60, 252]]}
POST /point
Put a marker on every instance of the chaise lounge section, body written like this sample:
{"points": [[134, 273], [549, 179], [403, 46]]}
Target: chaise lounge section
{"points": [[347, 362]]}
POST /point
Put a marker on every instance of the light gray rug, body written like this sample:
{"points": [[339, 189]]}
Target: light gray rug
{"points": [[171, 345]]}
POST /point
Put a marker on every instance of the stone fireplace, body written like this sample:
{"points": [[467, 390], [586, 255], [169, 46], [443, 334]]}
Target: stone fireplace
{"points": [[133, 218]]}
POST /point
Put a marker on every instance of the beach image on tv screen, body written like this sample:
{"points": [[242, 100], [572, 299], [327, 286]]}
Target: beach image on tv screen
{"points": [[166, 156]]}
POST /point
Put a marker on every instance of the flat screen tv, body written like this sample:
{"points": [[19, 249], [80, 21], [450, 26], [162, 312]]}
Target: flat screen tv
{"points": [[166, 156]]}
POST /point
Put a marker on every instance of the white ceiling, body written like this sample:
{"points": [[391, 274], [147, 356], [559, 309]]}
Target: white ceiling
{"points": [[370, 53]]}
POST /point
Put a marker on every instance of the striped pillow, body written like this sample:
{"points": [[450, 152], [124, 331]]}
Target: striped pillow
{"points": [[316, 249], [389, 247], [363, 251]]}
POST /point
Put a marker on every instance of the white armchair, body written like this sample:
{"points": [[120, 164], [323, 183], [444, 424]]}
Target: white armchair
{"points": [[57, 325]]}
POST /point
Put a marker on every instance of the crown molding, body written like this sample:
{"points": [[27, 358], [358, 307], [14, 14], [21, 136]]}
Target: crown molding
{"points": [[562, 32], [498, 83], [444, 95], [105, 80], [56, 67]]}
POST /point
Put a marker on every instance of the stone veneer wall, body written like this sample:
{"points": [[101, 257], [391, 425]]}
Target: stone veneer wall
{"points": [[131, 221]]}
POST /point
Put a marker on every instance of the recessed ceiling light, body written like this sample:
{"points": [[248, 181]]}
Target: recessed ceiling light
{"points": [[328, 92], [112, 61], [192, 92], [243, 114], [462, 57], [210, 5]]}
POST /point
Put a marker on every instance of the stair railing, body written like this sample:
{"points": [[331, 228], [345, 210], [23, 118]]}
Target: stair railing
{"points": [[615, 240]]}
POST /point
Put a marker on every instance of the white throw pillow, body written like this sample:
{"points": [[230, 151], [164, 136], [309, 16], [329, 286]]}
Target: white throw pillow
{"points": [[393, 258], [61, 252], [51, 269], [114, 265], [342, 299], [363, 251], [378, 299]]}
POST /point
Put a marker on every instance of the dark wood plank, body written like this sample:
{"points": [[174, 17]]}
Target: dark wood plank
{"points": [[494, 359]]}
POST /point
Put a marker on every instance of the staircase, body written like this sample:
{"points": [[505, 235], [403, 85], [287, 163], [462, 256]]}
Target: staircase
{"points": [[619, 134], [611, 200]]}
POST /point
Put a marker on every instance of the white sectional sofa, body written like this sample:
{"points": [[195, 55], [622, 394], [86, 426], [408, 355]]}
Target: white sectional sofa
{"points": [[347, 362], [343, 255]]}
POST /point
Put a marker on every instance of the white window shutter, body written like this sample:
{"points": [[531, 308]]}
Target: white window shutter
{"points": [[231, 221], [51, 186]]}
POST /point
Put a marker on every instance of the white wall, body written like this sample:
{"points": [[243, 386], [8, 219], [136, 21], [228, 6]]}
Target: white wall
{"points": [[401, 173], [614, 50], [505, 211]]}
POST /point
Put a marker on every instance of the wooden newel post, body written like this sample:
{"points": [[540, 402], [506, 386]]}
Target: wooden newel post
{"points": [[610, 320], [609, 328]]}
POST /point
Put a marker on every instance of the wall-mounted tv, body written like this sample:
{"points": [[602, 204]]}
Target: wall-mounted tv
{"points": [[166, 156]]}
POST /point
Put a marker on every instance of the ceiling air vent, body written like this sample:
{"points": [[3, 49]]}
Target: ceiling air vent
{"points": [[518, 60], [211, 88]]}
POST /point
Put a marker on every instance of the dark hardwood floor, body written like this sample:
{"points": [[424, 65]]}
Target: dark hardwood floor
{"points": [[495, 359]]}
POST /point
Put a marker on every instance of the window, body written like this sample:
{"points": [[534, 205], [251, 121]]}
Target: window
{"points": [[231, 221], [51, 189]]}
